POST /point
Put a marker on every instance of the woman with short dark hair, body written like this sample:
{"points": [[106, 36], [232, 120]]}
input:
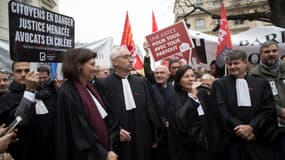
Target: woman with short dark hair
{"points": [[187, 119], [83, 127]]}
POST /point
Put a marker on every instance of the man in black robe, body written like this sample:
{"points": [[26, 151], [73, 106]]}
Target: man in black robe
{"points": [[132, 106], [246, 111], [20, 101]]}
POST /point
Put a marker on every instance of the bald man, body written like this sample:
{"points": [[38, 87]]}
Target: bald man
{"points": [[162, 90], [101, 71], [161, 74]]}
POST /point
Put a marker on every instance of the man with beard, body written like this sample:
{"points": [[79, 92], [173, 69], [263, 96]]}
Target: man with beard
{"points": [[272, 69]]}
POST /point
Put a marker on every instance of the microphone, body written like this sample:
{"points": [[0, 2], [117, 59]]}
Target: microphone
{"points": [[12, 125]]}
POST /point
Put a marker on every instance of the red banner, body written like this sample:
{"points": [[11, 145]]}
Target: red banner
{"points": [[154, 24], [224, 41]]}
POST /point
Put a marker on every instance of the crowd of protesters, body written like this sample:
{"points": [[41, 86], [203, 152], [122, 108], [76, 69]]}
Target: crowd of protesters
{"points": [[174, 112]]}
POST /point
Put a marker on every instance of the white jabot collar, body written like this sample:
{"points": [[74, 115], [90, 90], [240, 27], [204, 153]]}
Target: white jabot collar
{"points": [[128, 96], [243, 96], [100, 108]]}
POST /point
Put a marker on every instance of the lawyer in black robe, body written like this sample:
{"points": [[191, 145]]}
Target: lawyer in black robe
{"points": [[143, 122], [214, 133], [75, 138], [35, 132], [9, 103], [260, 116], [187, 134], [84, 129], [162, 90]]}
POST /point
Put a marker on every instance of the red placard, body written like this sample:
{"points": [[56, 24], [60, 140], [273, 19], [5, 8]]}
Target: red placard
{"points": [[169, 41]]}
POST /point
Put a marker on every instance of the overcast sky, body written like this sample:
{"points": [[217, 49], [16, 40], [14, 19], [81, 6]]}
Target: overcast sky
{"points": [[98, 19]]}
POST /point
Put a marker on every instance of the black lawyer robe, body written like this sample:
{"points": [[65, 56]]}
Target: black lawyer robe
{"points": [[261, 116], [36, 137], [143, 122], [187, 136], [214, 133], [75, 138], [160, 95]]}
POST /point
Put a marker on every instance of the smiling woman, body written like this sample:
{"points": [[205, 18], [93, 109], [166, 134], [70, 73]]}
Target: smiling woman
{"points": [[74, 61], [83, 124]]}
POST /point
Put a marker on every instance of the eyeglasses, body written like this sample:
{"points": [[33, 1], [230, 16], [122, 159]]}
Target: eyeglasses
{"points": [[269, 51], [126, 56]]}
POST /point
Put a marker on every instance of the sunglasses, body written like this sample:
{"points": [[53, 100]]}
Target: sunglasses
{"points": [[269, 51]]}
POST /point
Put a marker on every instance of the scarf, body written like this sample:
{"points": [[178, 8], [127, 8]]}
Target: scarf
{"points": [[91, 110], [273, 68]]}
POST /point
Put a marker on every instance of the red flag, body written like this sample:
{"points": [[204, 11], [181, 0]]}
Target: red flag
{"points": [[224, 41], [154, 24], [127, 40]]}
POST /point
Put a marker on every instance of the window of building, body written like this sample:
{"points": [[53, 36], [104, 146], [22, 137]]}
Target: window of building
{"points": [[199, 2], [200, 24], [239, 22]]}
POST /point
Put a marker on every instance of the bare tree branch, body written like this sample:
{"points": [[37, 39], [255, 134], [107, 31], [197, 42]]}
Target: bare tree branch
{"points": [[275, 15]]}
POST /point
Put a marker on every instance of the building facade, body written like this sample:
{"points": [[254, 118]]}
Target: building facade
{"points": [[201, 21], [4, 20]]}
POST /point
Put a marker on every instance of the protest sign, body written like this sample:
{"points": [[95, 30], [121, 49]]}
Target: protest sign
{"points": [[170, 41], [38, 35]]}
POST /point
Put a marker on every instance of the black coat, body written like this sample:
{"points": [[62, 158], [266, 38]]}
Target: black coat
{"points": [[215, 135], [187, 130], [261, 116], [36, 135], [143, 122], [10, 101], [75, 138]]}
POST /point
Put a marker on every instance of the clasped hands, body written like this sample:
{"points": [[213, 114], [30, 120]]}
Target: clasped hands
{"points": [[245, 131]]}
